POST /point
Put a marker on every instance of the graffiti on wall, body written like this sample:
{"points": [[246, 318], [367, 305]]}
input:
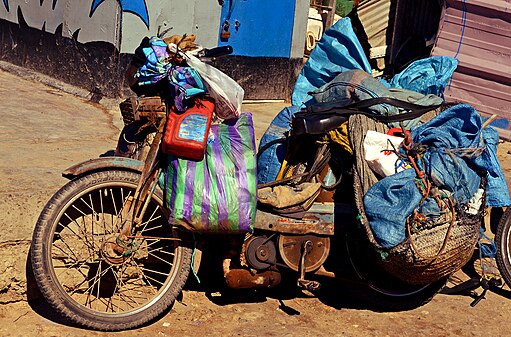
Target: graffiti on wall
{"points": [[137, 7]]}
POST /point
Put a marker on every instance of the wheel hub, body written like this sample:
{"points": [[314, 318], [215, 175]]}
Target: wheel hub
{"points": [[260, 252], [116, 250]]}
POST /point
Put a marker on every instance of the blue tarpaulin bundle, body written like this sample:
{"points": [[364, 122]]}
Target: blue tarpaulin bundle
{"points": [[337, 51], [390, 201], [456, 147], [335, 61]]}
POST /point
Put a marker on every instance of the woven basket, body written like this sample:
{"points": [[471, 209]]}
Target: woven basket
{"points": [[427, 255]]}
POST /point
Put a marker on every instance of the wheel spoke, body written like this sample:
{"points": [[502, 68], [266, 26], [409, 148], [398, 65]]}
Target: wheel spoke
{"points": [[148, 278], [119, 281], [77, 246], [61, 239], [160, 249], [93, 218], [76, 266], [161, 259], [84, 238], [151, 219]]}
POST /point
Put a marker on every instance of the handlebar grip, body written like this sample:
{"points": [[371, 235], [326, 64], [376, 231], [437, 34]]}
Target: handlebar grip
{"points": [[218, 51]]}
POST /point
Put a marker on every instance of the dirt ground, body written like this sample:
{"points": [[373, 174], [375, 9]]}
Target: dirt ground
{"points": [[44, 130]]}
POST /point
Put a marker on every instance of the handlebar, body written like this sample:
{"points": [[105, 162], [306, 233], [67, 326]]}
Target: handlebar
{"points": [[216, 52]]}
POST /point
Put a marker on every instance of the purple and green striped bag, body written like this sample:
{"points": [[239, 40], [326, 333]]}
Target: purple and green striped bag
{"points": [[218, 193]]}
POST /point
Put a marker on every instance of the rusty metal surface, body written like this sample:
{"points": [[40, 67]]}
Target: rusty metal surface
{"points": [[260, 252], [103, 163], [244, 279], [319, 219], [478, 34], [291, 247], [328, 7], [375, 17]]}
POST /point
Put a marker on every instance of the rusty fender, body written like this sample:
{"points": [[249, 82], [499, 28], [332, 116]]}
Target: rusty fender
{"points": [[244, 279], [102, 164]]}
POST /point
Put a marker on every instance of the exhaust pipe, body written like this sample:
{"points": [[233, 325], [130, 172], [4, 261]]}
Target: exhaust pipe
{"points": [[245, 279]]}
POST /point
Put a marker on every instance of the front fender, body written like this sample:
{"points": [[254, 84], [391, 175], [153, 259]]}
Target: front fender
{"points": [[101, 164]]}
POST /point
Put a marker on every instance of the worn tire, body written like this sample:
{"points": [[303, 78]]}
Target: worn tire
{"points": [[503, 242], [383, 291], [45, 247]]}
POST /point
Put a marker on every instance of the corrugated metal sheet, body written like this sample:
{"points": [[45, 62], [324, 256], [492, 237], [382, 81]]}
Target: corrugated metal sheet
{"points": [[414, 31], [374, 16], [479, 35], [399, 30]]}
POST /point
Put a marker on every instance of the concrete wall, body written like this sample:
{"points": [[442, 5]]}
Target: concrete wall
{"points": [[90, 42]]}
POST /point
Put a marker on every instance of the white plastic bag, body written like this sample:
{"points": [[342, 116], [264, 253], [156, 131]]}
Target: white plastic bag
{"points": [[227, 93], [378, 148]]}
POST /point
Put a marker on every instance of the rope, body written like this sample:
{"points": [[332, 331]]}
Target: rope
{"points": [[489, 269], [193, 259], [446, 239]]}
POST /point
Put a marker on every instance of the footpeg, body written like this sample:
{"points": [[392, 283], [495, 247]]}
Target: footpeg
{"points": [[309, 285], [302, 282]]}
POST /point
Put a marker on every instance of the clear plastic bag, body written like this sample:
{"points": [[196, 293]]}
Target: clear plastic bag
{"points": [[227, 93]]}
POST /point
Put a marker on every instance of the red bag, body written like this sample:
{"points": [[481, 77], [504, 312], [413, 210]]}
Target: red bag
{"points": [[186, 133]]}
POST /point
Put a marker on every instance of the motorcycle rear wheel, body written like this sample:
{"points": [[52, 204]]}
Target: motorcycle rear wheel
{"points": [[384, 291], [76, 277], [503, 242]]}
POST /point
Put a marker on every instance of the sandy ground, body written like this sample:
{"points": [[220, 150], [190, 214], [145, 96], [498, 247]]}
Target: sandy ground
{"points": [[44, 130]]}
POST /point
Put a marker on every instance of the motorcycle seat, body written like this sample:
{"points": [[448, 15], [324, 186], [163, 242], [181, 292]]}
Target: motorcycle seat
{"points": [[322, 117], [316, 124]]}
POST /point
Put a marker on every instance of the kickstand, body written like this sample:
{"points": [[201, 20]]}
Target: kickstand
{"points": [[471, 285], [467, 286], [487, 284]]}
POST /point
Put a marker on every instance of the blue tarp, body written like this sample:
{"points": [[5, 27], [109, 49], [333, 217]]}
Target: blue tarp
{"points": [[335, 61], [270, 160], [427, 76], [337, 51], [392, 199], [456, 148]]}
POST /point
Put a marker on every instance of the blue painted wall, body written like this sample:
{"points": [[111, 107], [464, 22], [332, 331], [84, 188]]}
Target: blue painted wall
{"points": [[258, 27]]}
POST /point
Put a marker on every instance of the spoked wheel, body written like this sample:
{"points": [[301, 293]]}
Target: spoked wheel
{"points": [[76, 259], [384, 291], [503, 241]]}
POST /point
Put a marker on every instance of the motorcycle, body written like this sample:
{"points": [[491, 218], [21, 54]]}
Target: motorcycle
{"points": [[105, 257]]}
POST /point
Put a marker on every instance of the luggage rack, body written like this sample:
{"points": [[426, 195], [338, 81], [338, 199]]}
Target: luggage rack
{"points": [[133, 108]]}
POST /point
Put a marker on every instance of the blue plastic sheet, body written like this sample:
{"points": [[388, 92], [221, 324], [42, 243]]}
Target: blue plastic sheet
{"points": [[456, 147], [337, 51], [498, 193], [427, 76], [270, 160]]}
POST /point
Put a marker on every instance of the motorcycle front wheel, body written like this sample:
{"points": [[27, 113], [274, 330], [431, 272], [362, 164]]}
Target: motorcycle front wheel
{"points": [[80, 281], [503, 242]]}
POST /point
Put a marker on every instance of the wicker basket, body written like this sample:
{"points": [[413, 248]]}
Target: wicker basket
{"points": [[427, 255]]}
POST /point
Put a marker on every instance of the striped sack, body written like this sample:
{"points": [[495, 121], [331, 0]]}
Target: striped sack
{"points": [[218, 193]]}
